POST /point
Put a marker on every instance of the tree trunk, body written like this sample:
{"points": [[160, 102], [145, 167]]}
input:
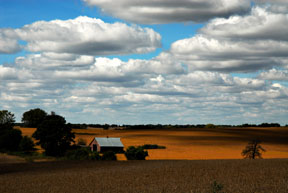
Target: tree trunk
{"points": [[254, 151]]}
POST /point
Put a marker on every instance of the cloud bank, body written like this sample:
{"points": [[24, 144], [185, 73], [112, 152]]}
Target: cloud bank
{"points": [[237, 44], [87, 36], [234, 70], [170, 11]]}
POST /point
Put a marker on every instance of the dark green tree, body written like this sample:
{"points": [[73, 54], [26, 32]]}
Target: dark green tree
{"points": [[9, 137], [26, 144], [106, 127], [10, 140], [33, 117], [136, 153], [253, 150], [210, 126], [54, 135], [7, 120]]}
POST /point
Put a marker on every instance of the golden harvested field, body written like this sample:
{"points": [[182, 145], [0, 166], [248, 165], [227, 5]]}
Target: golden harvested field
{"points": [[214, 155], [236, 176], [194, 143]]}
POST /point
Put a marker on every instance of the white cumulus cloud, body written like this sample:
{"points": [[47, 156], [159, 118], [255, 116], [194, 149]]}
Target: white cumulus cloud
{"points": [[82, 35], [275, 74], [9, 41], [88, 36], [260, 24], [53, 61], [237, 44]]}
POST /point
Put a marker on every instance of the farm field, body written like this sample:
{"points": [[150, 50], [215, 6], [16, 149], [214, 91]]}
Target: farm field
{"points": [[193, 160], [241, 176], [194, 143], [4, 158]]}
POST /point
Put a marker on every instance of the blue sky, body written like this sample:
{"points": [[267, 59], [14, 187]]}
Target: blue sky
{"points": [[134, 62]]}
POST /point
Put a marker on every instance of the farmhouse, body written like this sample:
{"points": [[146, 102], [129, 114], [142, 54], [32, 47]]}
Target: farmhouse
{"points": [[103, 144]]}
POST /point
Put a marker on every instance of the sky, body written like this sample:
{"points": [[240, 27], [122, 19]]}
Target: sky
{"points": [[146, 61]]}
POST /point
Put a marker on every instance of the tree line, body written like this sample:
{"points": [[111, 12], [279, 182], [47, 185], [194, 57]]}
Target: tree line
{"points": [[34, 117], [55, 136], [159, 126], [52, 133], [167, 126]]}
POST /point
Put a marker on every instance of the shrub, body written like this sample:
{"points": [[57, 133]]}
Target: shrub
{"points": [[109, 155], [136, 153], [153, 146], [217, 187], [78, 154], [95, 156], [83, 154]]}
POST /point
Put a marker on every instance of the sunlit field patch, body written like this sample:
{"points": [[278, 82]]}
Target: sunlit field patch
{"points": [[194, 143]]}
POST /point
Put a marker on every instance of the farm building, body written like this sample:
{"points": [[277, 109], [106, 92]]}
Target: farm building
{"points": [[102, 144]]}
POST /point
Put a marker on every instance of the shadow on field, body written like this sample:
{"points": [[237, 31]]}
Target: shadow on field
{"points": [[226, 135], [50, 166], [241, 176]]}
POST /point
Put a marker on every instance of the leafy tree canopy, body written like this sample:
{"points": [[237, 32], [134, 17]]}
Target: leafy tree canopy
{"points": [[9, 137], [26, 144], [33, 117], [7, 120], [253, 150], [54, 135], [10, 140]]}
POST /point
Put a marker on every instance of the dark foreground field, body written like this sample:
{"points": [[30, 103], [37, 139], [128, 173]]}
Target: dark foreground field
{"points": [[146, 176]]}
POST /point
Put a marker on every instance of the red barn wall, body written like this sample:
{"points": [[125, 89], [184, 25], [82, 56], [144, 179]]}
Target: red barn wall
{"points": [[94, 142]]}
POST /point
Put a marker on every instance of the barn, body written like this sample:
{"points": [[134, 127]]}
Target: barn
{"points": [[104, 144]]}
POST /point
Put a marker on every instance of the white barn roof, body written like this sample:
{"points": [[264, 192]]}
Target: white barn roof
{"points": [[109, 142]]}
